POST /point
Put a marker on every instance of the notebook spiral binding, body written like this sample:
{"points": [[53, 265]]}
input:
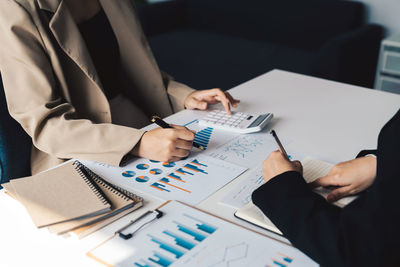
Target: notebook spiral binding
{"points": [[122, 193], [93, 186]]}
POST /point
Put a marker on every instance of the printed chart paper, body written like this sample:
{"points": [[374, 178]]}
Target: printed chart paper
{"points": [[190, 180], [187, 237], [241, 195], [247, 150]]}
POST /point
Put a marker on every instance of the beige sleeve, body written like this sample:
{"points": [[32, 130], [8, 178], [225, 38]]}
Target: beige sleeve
{"points": [[177, 92], [34, 100]]}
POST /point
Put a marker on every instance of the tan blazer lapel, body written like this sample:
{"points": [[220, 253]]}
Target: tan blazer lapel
{"points": [[67, 34], [136, 57]]}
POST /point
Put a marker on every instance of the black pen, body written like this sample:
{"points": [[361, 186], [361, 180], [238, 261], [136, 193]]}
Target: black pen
{"points": [[283, 151], [157, 120]]}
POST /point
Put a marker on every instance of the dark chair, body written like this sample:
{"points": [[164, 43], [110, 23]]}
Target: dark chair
{"points": [[15, 145], [222, 43]]}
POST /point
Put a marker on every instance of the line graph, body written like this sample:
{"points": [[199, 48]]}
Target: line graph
{"points": [[246, 150], [243, 146], [231, 254]]}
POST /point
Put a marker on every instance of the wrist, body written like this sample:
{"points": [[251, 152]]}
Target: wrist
{"points": [[136, 150]]}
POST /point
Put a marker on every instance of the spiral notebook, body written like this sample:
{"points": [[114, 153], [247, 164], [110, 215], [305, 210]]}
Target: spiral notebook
{"points": [[59, 195], [122, 203]]}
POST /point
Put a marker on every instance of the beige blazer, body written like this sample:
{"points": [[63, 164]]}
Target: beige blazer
{"points": [[54, 92]]}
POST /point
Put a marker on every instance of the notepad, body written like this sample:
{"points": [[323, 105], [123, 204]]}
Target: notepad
{"points": [[313, 169], [59, 195], [122, 203]]}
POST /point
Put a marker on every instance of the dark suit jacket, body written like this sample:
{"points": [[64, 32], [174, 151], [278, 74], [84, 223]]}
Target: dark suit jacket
{"points": [[364, 233]]}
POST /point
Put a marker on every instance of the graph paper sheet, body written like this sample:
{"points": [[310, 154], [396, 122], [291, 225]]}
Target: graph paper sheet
{"points": [[188, 237], [247, 150], [190, 180]]}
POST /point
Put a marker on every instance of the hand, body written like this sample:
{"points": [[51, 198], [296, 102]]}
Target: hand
{"points": [[165, 145], [277, 164], [201, 98], [351, 177]]}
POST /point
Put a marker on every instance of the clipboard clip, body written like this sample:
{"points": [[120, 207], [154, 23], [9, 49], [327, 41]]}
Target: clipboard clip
{"points": [[158, 215]]}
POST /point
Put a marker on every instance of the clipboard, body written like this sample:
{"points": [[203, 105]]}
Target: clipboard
{"points": [[187, 236]]}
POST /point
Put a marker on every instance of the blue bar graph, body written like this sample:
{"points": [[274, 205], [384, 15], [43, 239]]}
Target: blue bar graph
{"points": [[195, 161], [203, 226], [190, 231], [285, 258], [161, 260], [182, 171], [279, 263], [180, 241], [167, 247], [194, 168], [203, 137], [159, 186], [176, 177], [144, 263]]}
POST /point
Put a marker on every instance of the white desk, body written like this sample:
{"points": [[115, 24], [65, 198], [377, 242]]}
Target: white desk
{"points": [[326, 119]]}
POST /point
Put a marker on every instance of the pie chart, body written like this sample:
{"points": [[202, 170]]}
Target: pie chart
{"points": [[155, 171], [128, 174], [143, 166], [142, 179], [169, 164], [154, 161]]}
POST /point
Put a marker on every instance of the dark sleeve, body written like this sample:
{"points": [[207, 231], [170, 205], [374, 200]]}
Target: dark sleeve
{"points": [[363, 153], [305, 218]]}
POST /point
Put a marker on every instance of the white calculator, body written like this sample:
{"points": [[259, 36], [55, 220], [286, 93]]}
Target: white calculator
{"points": [[238, 122]]}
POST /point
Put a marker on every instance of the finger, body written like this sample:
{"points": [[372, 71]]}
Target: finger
{"points": [[279, 155], [184, 144], [197, 104], [180, 127], [233, 101], [298, 165], [221, 97], [173, 159], [324, 181], [185, 134], [339, 193], [181, 153]]}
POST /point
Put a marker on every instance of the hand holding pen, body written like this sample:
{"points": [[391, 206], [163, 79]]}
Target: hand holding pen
{"points": [[165, 144], [157, 120], [278, 162]]}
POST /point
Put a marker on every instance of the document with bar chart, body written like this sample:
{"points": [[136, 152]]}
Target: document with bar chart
{"points": [[185, 236], [190, 180]]}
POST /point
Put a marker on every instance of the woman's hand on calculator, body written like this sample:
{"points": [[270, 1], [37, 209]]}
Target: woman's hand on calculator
{"points": [[202, 98]]}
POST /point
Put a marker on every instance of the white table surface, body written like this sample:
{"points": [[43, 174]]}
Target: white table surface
{"points": [[321, 118]]}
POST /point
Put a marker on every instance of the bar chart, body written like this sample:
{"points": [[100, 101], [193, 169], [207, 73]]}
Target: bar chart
{"points": [[172, 244], [190, 180], [203, 137], [185, 236]]}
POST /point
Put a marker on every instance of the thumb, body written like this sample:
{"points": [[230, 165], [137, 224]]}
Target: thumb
{"points": [[324, 181], [197, 104], [338, 194]]}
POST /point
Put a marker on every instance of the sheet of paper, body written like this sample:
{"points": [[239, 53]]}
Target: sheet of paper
{"points": [[190, 180], [246, 150], [241, 194], [314, 169], [187, 237]]}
